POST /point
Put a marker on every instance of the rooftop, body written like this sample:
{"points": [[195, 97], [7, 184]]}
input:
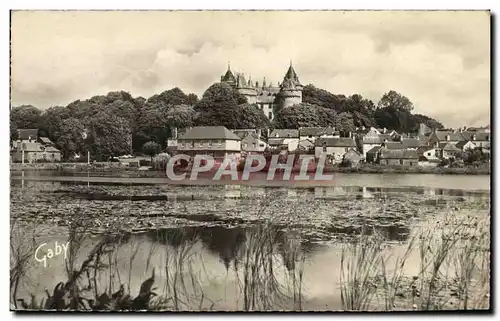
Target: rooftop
{"points": [[335, 142], [209, 132]]}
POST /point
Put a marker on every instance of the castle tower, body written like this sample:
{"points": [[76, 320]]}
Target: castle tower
{"points": [[228, 78], [246, 89], [290, 90]]}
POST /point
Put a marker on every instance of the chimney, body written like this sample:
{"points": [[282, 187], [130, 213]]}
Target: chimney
{"points": [[447, 137], [259, 133], [385, 130]]}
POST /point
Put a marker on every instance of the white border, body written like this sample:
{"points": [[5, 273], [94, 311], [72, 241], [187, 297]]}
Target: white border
{"points": [[185, 4]]}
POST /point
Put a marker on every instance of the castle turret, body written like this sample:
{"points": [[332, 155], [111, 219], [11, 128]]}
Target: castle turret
{"points": [[246, 89], [290, 90], [228, 77]]}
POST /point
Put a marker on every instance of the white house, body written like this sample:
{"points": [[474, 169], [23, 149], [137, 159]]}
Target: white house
{"points": [[290, 138], [216, 141], [333, 148], [311, 133]]}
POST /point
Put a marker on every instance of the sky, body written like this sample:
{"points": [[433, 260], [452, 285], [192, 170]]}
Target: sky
{"points": [[440, 60]]}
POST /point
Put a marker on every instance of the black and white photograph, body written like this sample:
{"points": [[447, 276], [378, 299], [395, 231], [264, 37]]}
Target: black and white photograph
{"points": [[250, 160]]}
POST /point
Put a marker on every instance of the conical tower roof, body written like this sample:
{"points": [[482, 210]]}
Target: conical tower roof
{"points": [[291, 75], [229, 77]]}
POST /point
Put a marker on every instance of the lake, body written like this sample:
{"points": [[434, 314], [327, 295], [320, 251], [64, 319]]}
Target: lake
{"points": [[218, 232]]}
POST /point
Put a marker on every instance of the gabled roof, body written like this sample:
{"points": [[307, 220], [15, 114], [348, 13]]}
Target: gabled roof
{"points": [[228, 77], [422, 149], [398, 154], [284, 133], [412, 142], [209, 132], [276, 141], [462, 143], [394, 145], [316, 131], [251, 137], [291, 75], [45, 140], [335, 142], [374, 150], [449, 147], [25, 134], [306, 143], [481, 136], [454, 136]]}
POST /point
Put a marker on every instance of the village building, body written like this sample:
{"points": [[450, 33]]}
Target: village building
{"points": [[305, 146], [311, 133], [465, 145], [288, 137], [449, 150], [253, 144], [29, 135], [35, 152], [216, 141], [479, 139], [428, 156], [333, 148], [372, 154], [371, 137], [402, 157], [268, 97], [439, 136], [353, 157]]}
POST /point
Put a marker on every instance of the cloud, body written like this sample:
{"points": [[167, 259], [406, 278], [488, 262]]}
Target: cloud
{"points": [[440, 60]]}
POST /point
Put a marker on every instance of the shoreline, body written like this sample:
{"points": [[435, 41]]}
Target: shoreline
{"points": [[115, 168]]}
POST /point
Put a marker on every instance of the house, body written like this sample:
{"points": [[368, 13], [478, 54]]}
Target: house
{"points": [[275, 143], [385, 131], [449, 150], [333, 148], [430, 153], [403, 157], [35, 152], [305, 145], [172, 141], [465, 145], [479, 139], [252, 143], [311, 133], [216, 141], [369, 138], [439, 136], [290, 137], [372, 154], [353, 157]]}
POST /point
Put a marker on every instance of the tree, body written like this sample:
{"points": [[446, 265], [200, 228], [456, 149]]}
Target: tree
{"points": [[52, 120], [180, 116], [250, 116], [327, 117], [296, 116], [70, 140], [395, 100], [218, 107], [26, 116], [345, 123], [151, 148], [109, 135], [192, 99], [320, 97]]}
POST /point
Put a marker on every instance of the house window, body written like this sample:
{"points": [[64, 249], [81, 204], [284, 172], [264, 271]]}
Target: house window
{"points": [[261, 106], [310, 136], [192, 143], [324, 149], [244, 145], [401, 162], [429, 154], [270, 115], [254, 145]]}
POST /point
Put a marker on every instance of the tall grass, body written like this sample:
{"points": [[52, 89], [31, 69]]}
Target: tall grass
{"points": [[453, 269]]}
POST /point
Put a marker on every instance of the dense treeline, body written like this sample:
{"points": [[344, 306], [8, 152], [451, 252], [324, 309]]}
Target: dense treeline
{"points": [[118, 123]]}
